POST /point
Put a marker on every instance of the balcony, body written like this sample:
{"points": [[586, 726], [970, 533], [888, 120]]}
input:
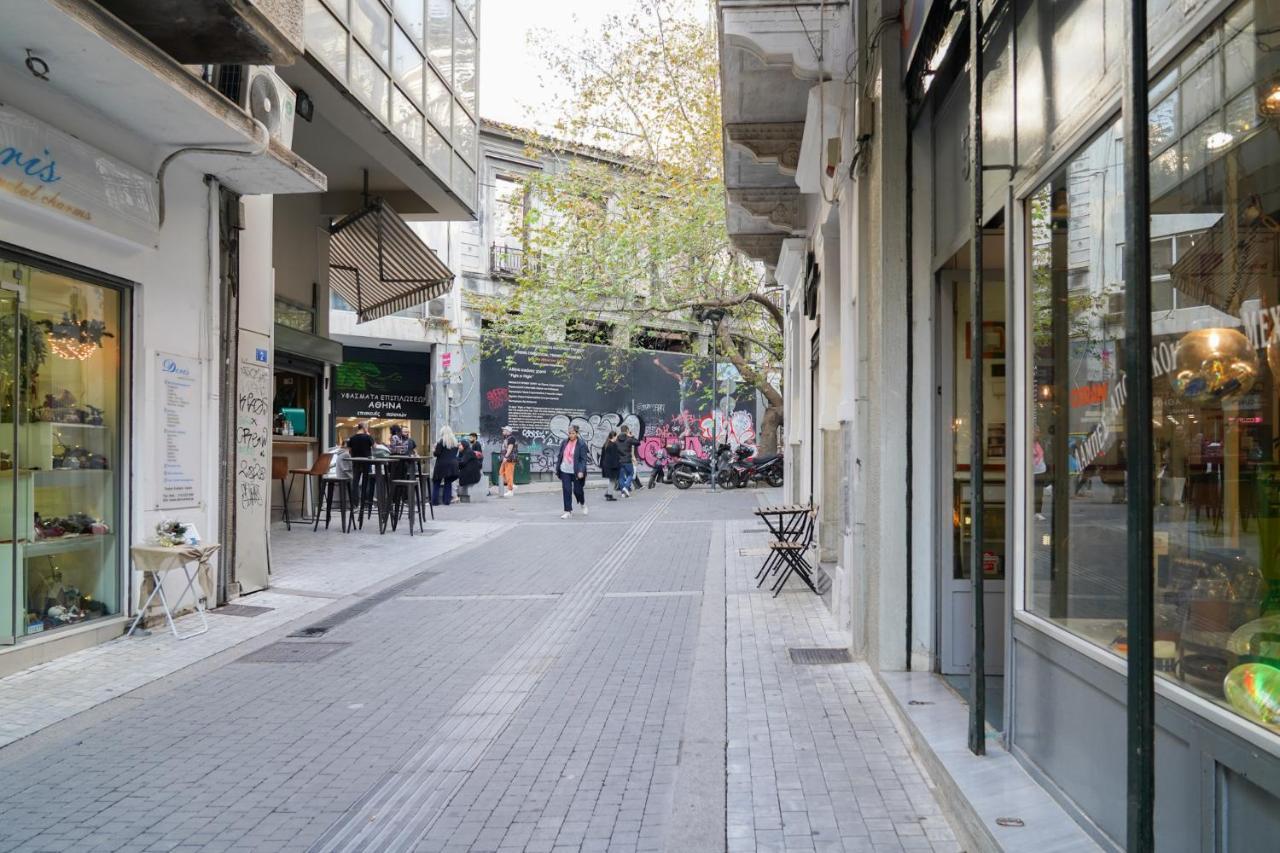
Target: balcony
{"points": [[506, 261]]}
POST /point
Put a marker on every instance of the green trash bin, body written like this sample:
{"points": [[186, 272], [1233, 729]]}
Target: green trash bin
{"points": [[522, 468]]}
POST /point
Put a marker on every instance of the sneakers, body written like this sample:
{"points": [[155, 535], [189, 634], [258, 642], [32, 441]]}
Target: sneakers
{"points": [[584, 509], [508, 493], [567, 515], [609, 497]]}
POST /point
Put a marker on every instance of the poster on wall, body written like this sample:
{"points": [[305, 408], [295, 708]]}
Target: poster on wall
{"points": [[178, 454], [373, 384], [253, 460], [663, 397]]}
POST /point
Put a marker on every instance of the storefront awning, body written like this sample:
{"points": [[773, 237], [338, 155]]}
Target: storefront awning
{"points": [[380, 266], [1222, 270]]}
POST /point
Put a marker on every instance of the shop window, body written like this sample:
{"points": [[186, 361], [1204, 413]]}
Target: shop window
{"points": [[61, 342], [1215, 436]]}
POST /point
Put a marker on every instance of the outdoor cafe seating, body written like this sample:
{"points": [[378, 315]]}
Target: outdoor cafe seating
{"points": [[792, 528]]}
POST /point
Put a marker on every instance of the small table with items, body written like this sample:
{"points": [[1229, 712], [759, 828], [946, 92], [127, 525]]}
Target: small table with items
{"points": [[378, 467], [158, 559]]}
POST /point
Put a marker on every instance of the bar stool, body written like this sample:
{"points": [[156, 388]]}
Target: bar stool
{"points": [[328, 483], [280, 471], [318, 469], [411, 500]]}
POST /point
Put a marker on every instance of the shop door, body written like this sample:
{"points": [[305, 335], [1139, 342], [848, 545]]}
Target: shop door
{"points": [[955, 518], [9, 373]]}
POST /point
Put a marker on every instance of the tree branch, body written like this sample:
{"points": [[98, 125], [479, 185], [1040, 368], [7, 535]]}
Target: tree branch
{"points": [[749, 373]]}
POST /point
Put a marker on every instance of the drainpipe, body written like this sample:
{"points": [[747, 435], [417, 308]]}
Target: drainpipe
{"points": [[1139, 483], [977, 509]]}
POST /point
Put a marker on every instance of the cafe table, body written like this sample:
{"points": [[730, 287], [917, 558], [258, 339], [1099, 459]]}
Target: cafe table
{"points": [[379, 468]]}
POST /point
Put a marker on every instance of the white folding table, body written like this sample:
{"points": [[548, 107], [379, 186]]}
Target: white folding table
{"points": [[156, 560]]}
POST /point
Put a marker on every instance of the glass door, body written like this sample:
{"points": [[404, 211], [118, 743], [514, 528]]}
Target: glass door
{"points": [[10, 290]]}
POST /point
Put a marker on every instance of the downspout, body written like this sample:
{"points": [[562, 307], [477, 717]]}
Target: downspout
{"points": [[1139, 477], [911, 359], [977, 486]]}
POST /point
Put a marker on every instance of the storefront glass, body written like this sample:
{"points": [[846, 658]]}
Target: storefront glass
{"points": [[60, 416], [1215, 226]]}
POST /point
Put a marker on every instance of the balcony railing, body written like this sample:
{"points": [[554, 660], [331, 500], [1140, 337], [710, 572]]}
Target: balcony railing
{"points": [[506, 261]]}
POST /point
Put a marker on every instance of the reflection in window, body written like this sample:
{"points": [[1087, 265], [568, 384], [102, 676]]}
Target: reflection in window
{"points": [[439, 104], [1215, 436], [438, 152], [464, 64], [407, 66], [464, 132], [368, 82], [371, 23], [440, 37], [411, 14], [326, 38], [406, 121]]}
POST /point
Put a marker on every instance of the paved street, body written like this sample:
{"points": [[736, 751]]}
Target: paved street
{"points": [[613, 682]]}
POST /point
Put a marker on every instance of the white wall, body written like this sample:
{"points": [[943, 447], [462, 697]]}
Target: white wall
{"points": [[171, 313]]}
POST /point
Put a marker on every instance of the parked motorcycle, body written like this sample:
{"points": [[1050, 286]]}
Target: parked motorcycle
{"points": [[749, 468], [662, 465], [689, 469]]}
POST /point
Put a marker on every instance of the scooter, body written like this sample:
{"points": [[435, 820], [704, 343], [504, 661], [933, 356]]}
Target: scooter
{"points": [[662, 465], [749, 468], [690, 469]]}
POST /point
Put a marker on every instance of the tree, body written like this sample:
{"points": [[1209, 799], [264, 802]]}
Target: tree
{"points": [[627, 215]]}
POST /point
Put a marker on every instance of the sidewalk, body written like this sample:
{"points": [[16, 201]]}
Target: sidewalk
{"points": [[310, 570], [816, 758]]}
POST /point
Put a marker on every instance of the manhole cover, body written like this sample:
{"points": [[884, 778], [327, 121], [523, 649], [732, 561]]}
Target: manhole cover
{"points": [[818, 657], [246, 610], [311, 631], [293, 652]]}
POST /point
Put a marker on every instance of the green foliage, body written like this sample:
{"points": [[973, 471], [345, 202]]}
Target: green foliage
{"points": [[626, 220]]}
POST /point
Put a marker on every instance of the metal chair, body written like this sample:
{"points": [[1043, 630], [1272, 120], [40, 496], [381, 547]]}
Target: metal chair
{"points": [[406, 494], [792, 555], [318, 469], [280, 471], [328, 483]]}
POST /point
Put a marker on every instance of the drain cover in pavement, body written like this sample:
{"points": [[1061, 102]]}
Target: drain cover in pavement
{"points": [[817, 657], [247, 610], [293, 653]]}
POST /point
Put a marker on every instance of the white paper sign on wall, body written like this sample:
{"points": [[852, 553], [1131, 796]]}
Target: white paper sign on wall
{"points": [[178, 454]]}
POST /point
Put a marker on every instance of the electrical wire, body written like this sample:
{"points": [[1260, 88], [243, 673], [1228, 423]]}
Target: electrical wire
{"points": [[258, 151]]}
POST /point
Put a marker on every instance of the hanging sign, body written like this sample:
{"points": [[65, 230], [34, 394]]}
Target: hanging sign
{"points": [[46, 170], [178, 454]]}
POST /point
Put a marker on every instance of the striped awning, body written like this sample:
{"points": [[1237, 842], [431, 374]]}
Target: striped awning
{"points": [[380, 266]]}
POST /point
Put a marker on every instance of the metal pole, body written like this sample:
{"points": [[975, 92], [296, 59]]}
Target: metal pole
{"points": [[715, 403], [1139, 482], [977, 508]]}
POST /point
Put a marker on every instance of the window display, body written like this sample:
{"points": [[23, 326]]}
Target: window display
{"points": [[1215, 227], [60, 363]]}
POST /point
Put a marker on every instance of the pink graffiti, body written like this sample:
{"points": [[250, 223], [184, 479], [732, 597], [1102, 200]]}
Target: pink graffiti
{"points": [[696, 433], [497, 398], [735, 429]]}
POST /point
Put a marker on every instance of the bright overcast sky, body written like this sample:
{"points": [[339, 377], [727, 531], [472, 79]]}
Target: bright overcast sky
{"points": [[510, 73]]}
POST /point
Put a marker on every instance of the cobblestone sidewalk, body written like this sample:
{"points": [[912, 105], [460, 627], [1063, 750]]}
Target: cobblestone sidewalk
{"points": [[815, 758]]}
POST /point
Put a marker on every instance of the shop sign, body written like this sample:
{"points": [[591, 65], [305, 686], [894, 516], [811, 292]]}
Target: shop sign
{"points": [[47, 170], [178, 452], [370, 384]]}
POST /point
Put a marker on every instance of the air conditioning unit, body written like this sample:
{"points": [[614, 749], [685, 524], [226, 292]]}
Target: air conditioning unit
{"points": [[436, 307], [260, 92]]}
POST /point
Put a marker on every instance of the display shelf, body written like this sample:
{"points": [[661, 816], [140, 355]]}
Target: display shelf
{"points": [[58, 476], [71, 424], [65, 544]]}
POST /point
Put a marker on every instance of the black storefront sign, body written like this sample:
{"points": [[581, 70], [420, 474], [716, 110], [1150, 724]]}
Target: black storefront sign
{"points": [[374, 384]]}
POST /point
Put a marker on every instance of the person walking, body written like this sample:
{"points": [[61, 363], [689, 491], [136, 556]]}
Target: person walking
{"points": [[445, 470], [510, 450], [627, 445], [573, 471], [610, 464]]}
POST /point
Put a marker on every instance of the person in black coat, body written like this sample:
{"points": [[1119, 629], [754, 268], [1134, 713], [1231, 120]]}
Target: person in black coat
{"points": [[445, 470], [469, 461], [610, 464], [572, 467]]}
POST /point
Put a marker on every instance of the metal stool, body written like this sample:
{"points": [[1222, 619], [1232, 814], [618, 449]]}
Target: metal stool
{"points": [[327, 485], [412, 501]]}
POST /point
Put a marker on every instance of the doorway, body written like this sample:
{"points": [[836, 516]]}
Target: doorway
{"points": [[955, 494]]}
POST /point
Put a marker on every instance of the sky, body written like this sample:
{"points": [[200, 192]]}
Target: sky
{"points": [[510, 84]]}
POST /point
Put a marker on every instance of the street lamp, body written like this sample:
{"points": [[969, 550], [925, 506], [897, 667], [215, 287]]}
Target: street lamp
{"points": [[714, 316]]}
